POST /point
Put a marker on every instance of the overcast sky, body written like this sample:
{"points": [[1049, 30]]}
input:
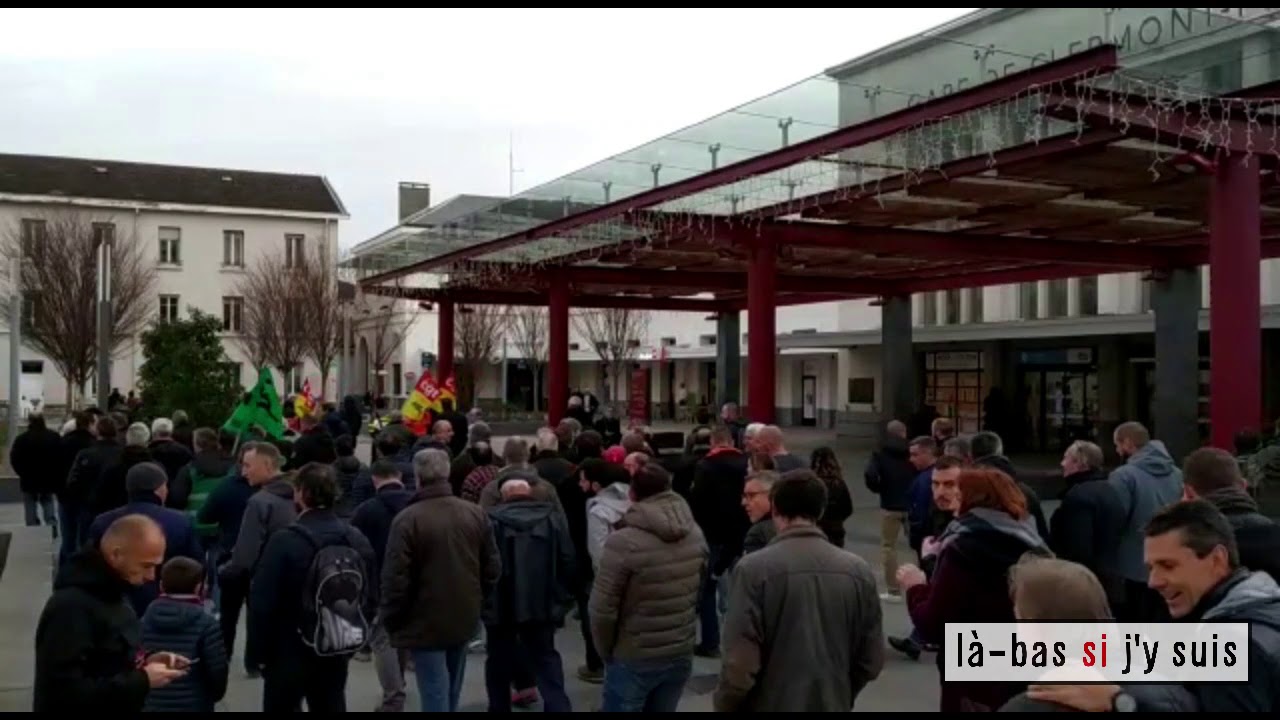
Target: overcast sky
{"points": [[370, 98]]}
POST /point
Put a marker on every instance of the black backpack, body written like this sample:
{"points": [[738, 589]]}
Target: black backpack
{"points": [[334, 595]]}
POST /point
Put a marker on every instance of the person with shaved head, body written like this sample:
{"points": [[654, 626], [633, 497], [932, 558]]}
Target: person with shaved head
{"points": [[87, 638]]}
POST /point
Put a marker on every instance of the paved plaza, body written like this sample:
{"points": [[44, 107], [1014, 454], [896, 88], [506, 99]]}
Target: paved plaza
{"points": [[903, 686]]}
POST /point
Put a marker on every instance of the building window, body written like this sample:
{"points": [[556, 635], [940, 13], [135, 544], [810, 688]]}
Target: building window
{"points": [[1144, 302], [232, 314], [1058, 298], [170, 246], [297, 378], [233, 371], [34, 233], [668, 342], [954, 387], [953, 307], [295, 252], [397, 379], [233, 248], [28, 309], [168, 308], [1089, 296], [706, 340], [633, 343], [862, 391], [929, 309], [975, 304], [1029, 301]]}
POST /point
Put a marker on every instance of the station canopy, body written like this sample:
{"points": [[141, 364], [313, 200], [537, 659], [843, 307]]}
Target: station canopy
{"points": [[1013, 144]]}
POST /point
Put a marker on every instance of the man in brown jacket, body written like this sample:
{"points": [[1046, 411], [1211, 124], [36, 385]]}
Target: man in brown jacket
{"points": [[804, 628], [440, 563], [644, 599]]}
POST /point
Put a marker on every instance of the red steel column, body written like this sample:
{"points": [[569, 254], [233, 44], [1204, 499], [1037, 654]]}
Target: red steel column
{"points": [[558, 351], [762, 304], [444, 341], [1235, 315]]}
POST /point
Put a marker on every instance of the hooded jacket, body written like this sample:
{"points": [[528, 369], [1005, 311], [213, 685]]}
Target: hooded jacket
{"points": [[889, 475], [970, 584], [206, 470], [270, 509], [537, 558], [491, 495], [604, 511], [87, 643], [1251, 597], [180, 624], [348, 470], [643, 602], [1144, 485]]}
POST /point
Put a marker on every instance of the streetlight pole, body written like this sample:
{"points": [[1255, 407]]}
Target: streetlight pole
{"points": [[104, 241], [15, 347]]}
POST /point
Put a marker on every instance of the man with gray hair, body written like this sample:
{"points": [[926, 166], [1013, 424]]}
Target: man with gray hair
{"points": [[749, 436], [516, 454], [172, 455], [111, 492], [1087, 525], [440, 564], [1148, 482]]}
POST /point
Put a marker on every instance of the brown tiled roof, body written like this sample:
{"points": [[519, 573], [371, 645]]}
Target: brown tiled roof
{"points": [[144, 182]]}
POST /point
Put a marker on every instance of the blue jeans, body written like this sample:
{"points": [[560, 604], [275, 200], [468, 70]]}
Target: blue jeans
{"points": [[645, 685], [440, 677], [708, 608]]}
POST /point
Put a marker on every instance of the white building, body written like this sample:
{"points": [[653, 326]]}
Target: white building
{"points": [[200, 227]]}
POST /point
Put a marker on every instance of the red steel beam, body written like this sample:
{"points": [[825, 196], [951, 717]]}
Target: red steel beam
{"points": [[1102, 59], [469, 296], [1043, 150]]}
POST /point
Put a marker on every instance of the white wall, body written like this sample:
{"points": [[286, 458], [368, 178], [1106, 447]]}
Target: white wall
{"points": [[200, 282]]}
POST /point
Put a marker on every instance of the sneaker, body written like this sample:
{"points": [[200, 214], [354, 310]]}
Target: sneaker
{"points": [[906, 646], [524, 698], [587, 675], [891, 597]]}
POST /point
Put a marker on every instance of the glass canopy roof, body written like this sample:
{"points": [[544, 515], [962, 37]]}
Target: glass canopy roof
{"points": [[1195, 50]]}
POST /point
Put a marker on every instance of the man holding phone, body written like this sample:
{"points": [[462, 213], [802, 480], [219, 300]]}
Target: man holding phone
{"points": [[88, 637]]}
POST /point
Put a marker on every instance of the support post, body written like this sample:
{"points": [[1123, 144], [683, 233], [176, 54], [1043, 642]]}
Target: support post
{"points": [[557, 351], [1175, 297], [897, 361], [762, 303], [105, 241], [15, 349], [444, 341], [728, 357], [346, 357], [1235, 315]]}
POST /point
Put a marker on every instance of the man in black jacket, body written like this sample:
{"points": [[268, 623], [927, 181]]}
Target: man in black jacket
{"points": [[314, 445], [85, 477], [69, 506], [719, 479], [88, 637], [373, 519], [533, 593], [292, 671], [171, 454], [1087, 525], [889, 474], [988, 451], [1214, 475]]}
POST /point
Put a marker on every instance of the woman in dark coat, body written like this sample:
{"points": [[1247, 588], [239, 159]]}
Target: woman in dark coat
{"points": [[37, 459], [991, 533], [839, 502]]}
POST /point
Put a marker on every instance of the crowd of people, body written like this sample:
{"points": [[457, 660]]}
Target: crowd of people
{"points": [[733, 549]]}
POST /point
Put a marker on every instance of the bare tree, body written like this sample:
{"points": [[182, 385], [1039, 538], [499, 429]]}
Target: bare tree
{"points": [[322, 311], [478, 329], [529, 329], [615, 335], [59, 279], [275, 313], [385, 327]]}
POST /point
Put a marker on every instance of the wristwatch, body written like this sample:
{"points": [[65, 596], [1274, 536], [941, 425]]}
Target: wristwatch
{"points": [[1123, 702]]}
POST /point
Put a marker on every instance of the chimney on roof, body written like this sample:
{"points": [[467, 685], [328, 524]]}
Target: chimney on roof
{"points": [[413, 197]]}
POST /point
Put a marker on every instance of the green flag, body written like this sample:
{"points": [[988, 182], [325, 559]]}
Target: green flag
{"points": [[261, 408]]}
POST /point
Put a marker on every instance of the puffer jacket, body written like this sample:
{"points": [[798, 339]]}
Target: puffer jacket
{"points": [[643, 603], [179, 624]]}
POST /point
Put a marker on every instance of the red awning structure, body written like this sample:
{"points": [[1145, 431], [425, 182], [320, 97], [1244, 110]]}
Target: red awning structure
{"points": [[1068, 168]]}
